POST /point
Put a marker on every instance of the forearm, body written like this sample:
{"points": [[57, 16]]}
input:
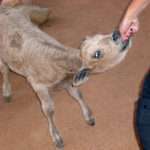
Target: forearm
{"points": [[136, 7]]}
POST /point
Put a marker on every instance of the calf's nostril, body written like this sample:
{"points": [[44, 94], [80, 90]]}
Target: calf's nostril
{"points": [[116, 35]]}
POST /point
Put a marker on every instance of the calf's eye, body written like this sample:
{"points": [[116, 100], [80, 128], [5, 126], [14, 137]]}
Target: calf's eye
{"points": [[97, 54]]}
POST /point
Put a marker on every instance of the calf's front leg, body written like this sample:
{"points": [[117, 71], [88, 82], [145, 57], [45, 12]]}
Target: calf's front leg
{"points": [[76, 94]]}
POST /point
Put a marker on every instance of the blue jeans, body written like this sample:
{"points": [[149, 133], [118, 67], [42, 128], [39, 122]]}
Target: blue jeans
{"points": [[143, 114]]}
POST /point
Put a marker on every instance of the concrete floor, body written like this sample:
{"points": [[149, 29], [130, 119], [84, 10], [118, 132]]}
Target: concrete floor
{"points": [[111, 95]]}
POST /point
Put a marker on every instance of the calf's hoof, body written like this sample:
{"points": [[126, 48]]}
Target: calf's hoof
{"points": [[7, 99], [59, 143], [91, 121]]}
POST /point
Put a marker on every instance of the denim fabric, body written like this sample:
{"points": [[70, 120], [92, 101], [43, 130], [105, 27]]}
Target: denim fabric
{"points": [[143, 114]]}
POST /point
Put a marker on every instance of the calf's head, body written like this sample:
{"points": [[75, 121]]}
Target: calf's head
{"points": [[100, 53]]}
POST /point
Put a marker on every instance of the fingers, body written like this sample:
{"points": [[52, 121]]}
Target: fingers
{"points": [[133, 28], [128, 27], [15, 2], [10, 2]]}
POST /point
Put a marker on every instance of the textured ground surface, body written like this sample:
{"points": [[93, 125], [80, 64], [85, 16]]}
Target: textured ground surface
{"points": [[111, 95]]}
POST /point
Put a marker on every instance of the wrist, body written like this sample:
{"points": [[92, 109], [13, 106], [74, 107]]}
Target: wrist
{"points": [[135, 8], [131, 14]]}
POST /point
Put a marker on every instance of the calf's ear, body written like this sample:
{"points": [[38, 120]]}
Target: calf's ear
{"points": [[81, 76]]}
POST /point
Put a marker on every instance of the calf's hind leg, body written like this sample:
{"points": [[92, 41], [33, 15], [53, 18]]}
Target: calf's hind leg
{"points": [[37, 14], [48, 109], [6, 86]]}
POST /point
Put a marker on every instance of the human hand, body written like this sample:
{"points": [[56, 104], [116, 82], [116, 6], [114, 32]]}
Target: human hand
{"points": [[128, 27], [15, 2]]}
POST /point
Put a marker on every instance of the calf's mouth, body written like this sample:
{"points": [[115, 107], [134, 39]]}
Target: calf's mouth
{"points": [[116, 36]]}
